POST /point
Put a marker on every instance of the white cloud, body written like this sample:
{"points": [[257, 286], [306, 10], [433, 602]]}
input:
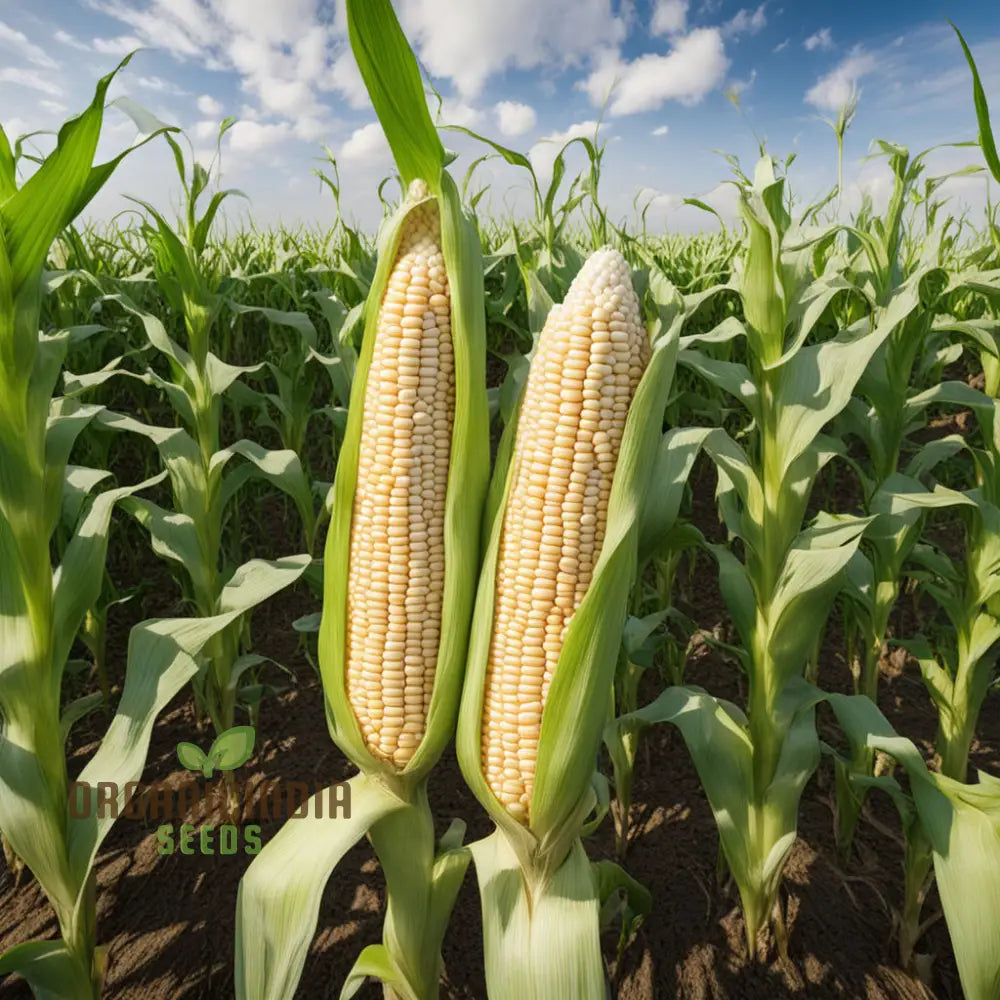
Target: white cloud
{"points": [[311, 129], [282, 52], [252, 137], [165, 25], [367, 146], [52, 106], [456, 112], [30, 78], [781, 46], [659, 205], [745, 22], [120, 45], [514, 118], [345, 77], [660, 130], [15, 127], [17, 41], [822, 39], [292, 57], [695, 65], [737, 87], [205, 130], [159, 86], [209, 106], [65, 38], [832, 91], [669, 17], [469, 40]]}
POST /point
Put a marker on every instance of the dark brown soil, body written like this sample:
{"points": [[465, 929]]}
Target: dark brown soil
{"points": [[169, 919]]}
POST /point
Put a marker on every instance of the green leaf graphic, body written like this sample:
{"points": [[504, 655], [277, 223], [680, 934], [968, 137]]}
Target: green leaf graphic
{"points": [[190, 756], [232, 748]]}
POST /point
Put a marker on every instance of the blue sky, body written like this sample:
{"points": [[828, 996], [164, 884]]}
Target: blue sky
{"points": [[526, 72]]}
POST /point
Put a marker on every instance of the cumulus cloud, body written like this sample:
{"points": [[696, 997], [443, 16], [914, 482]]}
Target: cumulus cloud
{"points": [[209, 106], [832, 91], [781, 46], [282, 52], [367, 146], [457, 112], [16, 41], [660, 130], [514, 118], [252, 137], [295, 66], [345, 77], [521, 34], [669, 17], [695, 65], [822, 39]]}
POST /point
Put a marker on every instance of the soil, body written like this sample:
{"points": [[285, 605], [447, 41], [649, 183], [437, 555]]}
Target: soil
{"points": [[169, 919]]}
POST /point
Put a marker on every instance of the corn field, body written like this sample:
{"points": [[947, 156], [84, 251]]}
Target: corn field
{"points": [[531, 608]]}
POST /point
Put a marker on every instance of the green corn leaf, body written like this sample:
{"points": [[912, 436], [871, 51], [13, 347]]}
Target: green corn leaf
{"points": [[173, 537], [277, 905], [542, 946], [986, 140], [375, 962], [392, 78], [963, 824], [78, 483], [166, 650], [50, 969], [76, 584]]}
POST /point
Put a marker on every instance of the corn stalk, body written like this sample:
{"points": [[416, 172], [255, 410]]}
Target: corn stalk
{"points": [[41, 606], [280, 894]]}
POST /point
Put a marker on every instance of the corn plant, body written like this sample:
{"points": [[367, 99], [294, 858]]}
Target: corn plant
{"points": [[399, 569], [887, 410], [882, 417], [949, 825], [565, 507], [754, 764], [957, 665], [203, 485], [41, 607]]}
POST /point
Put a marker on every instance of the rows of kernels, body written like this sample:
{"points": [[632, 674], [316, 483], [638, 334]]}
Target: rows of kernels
{"points": [[396, 575], [590, 358]]}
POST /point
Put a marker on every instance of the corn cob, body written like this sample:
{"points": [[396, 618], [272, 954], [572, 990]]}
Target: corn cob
{"points": [[591, 355], [396, 570]]}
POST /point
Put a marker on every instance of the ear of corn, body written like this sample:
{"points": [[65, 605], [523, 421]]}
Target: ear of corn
{"points": [[396, 565], [590, 358], [561, 558], [400, 565], [403, 548], [549, 612]]}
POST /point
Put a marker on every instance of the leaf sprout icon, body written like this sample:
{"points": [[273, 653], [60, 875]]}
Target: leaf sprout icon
{"points": [[228, 751]]}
